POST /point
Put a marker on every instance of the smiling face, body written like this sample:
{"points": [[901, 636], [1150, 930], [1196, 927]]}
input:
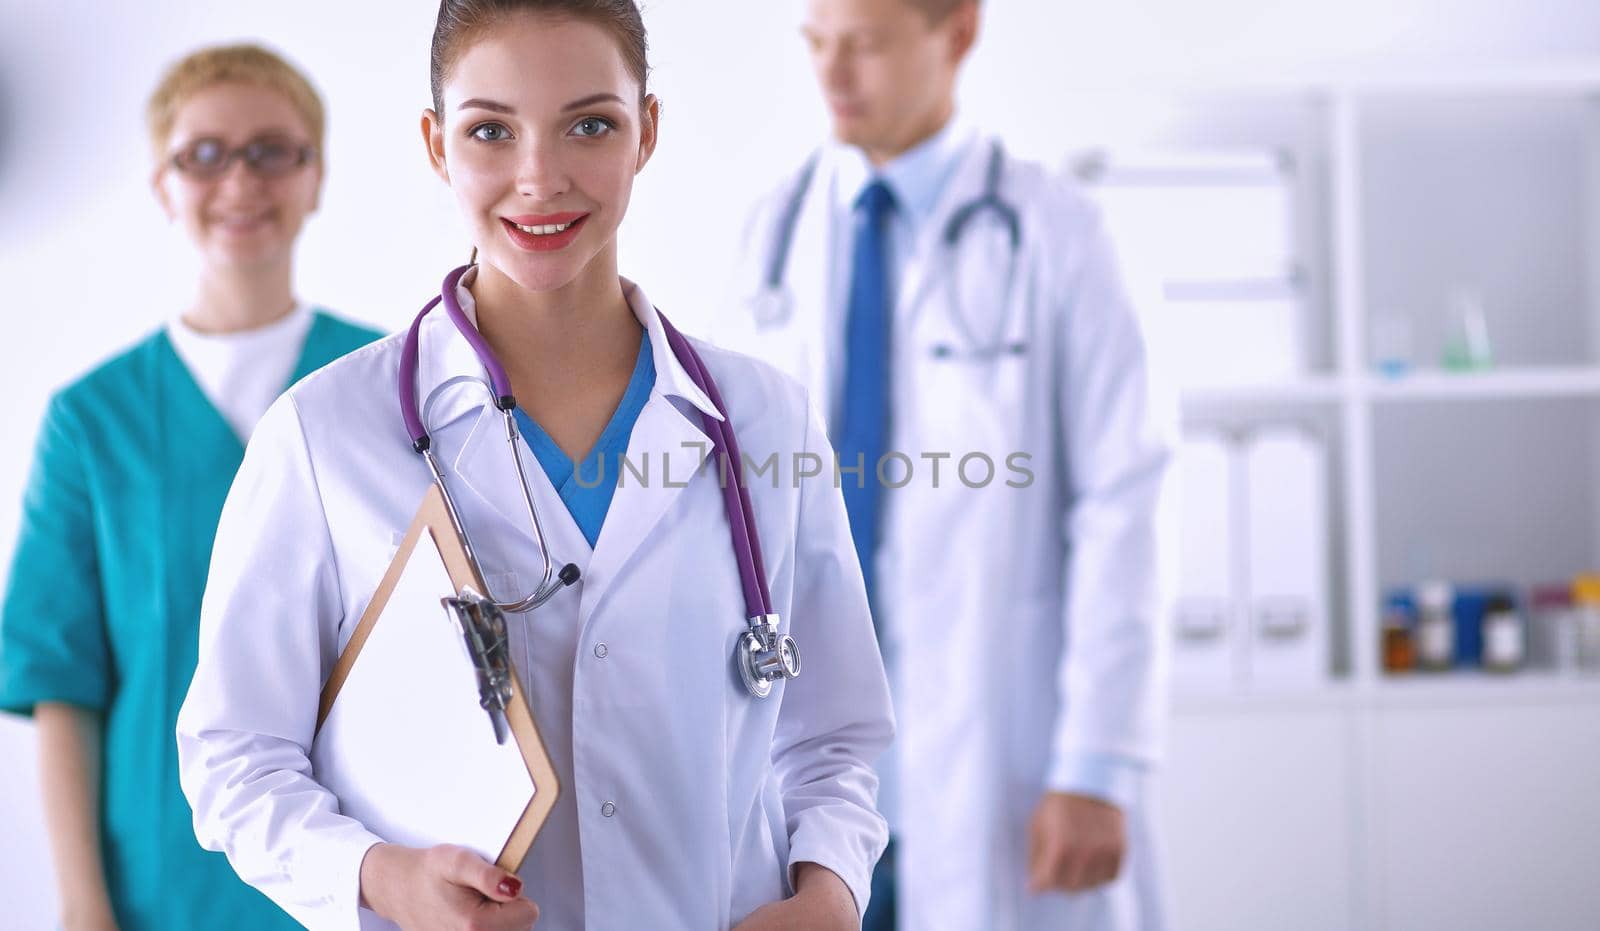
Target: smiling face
{"points": [[887, 71], [541, 136], [240, 220]]}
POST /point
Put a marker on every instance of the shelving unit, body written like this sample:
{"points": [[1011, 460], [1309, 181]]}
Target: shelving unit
{"points": [[1569, 381], [1335, 131], [1365, 800]]}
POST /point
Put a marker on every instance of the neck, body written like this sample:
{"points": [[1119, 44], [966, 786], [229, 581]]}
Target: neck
{"points": [[552, 342], [920, 132], [234, 299]]}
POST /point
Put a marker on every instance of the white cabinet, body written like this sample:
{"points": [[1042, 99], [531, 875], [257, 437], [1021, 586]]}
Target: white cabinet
{"points": [[1370, 801], [1231, 866], [1487, 815]]}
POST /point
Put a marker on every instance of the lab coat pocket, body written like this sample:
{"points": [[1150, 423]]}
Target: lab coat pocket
{"points": [[967, 399], [760, 857]]}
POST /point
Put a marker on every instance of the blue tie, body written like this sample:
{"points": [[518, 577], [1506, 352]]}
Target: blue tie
{"points": [[864, 431]]}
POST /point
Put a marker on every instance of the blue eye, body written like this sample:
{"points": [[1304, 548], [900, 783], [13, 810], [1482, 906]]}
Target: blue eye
{"points": [[489, 132], [592, 126]]}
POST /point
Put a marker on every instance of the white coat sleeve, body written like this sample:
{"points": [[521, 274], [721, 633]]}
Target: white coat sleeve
{"points": [[836, 719], [1116, 428], [268, 637]]}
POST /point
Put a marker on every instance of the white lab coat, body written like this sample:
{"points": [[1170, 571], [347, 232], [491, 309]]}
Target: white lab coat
{"points": [[1024, 621], [685, 802]]}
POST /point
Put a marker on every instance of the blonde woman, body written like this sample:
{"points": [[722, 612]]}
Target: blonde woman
{"points": [[133, 462]]}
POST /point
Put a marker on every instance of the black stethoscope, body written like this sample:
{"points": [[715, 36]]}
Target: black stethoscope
{"points": [[774, 304]]}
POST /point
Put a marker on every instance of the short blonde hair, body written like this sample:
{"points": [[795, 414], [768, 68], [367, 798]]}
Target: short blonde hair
{"points": [[230, 64]]}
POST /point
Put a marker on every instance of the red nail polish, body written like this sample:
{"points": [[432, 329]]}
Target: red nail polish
{"points": [[511, 886]]}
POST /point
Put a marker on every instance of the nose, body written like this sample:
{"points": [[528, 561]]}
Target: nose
{"points": [[835, 67], [541, 175], [236, 175]]}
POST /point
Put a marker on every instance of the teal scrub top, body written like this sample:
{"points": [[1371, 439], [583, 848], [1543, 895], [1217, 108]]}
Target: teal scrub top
{"points": [[587, 487], [102, 607]]}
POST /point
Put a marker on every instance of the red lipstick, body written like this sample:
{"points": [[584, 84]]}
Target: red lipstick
{"points": [[544, 240]]}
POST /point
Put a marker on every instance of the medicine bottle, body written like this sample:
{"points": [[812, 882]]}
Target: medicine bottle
{"points": [[1504, 638], [1436, 631]]}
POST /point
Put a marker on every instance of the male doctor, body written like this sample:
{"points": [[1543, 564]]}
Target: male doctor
{"points": [[957, 313]]}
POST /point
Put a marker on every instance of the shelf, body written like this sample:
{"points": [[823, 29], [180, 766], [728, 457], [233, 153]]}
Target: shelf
{"points": [[1470, 688], [1509, 384], [1312, 389], [1505, 384], [1413, 690]]}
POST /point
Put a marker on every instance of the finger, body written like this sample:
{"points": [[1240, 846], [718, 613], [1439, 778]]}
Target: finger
{"points": [[1041, 867], [1102, 867], [516, 915], [1114, 858], [1073, 875], [1050, 866], [465, 868], [1035, 854]]}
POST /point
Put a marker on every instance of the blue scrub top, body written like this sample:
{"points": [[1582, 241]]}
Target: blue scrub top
{"points": [[587, 488], [102, 608]]}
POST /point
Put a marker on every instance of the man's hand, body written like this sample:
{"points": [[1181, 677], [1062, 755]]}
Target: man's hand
{"points": [[821, 902], [1074, 843]]}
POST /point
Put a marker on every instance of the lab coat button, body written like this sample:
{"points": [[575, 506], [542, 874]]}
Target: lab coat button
{"points": [[600, 650], [608, 809]]}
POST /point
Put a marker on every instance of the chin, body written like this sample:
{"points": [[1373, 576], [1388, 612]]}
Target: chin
{"points": [[246, 255], [540, 274], [854, 132]]}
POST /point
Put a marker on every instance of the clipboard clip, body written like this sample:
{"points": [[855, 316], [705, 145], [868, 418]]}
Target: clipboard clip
{"points": [[483, 627]]}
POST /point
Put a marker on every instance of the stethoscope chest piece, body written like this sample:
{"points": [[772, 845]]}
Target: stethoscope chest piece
{"points": [[772, 306], [764, 657]]}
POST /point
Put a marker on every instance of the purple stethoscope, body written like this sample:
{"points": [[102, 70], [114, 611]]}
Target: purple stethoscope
{"points": [[762, 656]]}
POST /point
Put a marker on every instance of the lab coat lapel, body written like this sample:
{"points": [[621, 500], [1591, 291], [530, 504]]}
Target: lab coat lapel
{"points": [[916, 290], [486, 470], [480, 470], [668, 446], [817, 338]]}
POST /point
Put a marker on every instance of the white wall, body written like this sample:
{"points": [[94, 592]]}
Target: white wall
{"points": [[88, 262]]}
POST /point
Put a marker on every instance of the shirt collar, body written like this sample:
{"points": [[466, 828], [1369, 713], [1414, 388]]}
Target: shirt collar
{"points": [[672, 379], [916, 177]]}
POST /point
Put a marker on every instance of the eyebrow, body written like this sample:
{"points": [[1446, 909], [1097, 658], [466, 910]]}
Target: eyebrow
{"points": [[478, 103], [590, 101]]}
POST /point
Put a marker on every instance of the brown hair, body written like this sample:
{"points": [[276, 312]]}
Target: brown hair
{"points": [[230, 64], [460, 21]]}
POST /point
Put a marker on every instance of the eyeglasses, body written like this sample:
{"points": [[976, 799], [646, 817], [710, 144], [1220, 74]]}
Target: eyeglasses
{"points": [[266, 157]]}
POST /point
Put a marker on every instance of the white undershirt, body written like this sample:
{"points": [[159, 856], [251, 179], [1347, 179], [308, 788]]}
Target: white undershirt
{"points": [[242, 373]]}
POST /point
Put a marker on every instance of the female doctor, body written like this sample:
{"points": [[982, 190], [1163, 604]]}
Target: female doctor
{"points": [[686, 802], [134, 461]]}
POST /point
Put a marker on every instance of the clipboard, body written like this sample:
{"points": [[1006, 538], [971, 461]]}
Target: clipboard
{"points": [[371, 748]]}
